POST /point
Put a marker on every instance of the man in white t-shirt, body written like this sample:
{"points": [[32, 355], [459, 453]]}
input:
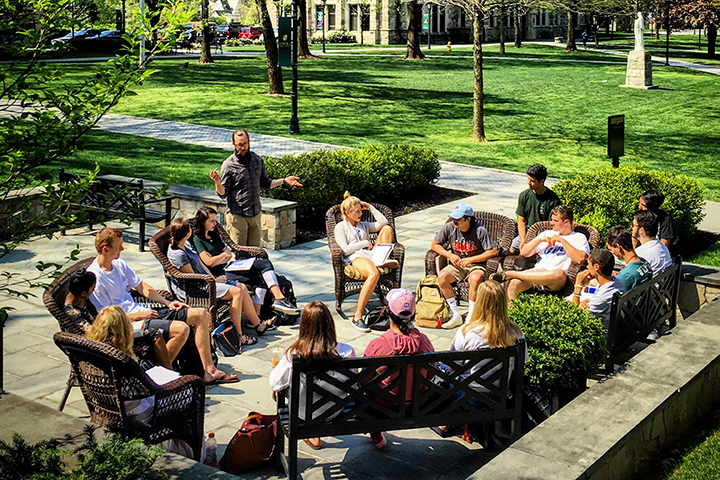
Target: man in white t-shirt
{"points": [[647, 246], [557, 248], [115, 279]]}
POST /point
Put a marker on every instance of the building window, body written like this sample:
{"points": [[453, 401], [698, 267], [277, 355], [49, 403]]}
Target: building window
{"points": [[353, 17], [463, 19], [437, 19], [365, 16], [331, 17]]}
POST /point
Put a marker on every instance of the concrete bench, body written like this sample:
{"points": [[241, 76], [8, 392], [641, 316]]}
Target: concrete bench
{"points": [[372, 395]]}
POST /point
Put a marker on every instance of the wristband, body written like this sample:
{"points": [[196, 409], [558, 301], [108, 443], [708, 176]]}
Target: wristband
{"points": [[579, 285], [576, 295]]}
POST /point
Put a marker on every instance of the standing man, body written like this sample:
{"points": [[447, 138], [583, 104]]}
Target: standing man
{"points": [[470, 247], [534, 204], [241, 177]]}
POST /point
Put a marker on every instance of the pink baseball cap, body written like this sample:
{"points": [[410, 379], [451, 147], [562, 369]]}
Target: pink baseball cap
{"points": [[401, 303]]}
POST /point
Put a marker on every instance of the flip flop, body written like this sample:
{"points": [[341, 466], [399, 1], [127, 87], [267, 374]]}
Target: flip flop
{"points": [[224, 378], [269, 325], [314, 443], [247, 340]]}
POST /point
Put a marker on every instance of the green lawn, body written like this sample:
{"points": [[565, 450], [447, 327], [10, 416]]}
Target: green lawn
{"points": [[536, 111], [711, 256], [682, 47]]}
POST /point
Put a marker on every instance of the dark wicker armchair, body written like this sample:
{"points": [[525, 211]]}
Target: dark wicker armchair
{"points": [[345, 285], [200, 289], [109, 377], [502, 230], [517, 262]]}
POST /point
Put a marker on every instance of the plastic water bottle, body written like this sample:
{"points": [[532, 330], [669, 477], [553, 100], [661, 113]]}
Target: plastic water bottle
{"points": [[211, 450]]}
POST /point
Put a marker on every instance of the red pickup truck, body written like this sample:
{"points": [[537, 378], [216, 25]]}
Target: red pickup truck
{"points": [[252, 33]]}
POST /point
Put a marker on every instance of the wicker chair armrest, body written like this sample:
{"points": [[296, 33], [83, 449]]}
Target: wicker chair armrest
{"points": [[191, 383], [573, 270], [241, 251], [430, 257], [399, 251], [139, 298]]}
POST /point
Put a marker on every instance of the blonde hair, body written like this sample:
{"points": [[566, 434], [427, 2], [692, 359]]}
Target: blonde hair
{"points": [[112, 326], [491, 314], [348, 203]]}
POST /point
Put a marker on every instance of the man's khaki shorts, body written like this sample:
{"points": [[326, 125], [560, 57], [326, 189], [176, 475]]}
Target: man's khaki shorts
{"points": [[461, 274]]}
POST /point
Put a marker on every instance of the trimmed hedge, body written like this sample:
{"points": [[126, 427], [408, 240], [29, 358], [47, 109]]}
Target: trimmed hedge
{"points": [[373, 173], [606, 198], [565, 343], [343, 36]]}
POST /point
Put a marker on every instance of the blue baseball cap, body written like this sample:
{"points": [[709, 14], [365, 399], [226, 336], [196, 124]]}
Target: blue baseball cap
{"points": [[462, 209]]}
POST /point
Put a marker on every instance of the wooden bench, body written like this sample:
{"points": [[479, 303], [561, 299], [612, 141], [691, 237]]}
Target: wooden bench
{"points": [[117, 197], [636, 313], [364, 405]]}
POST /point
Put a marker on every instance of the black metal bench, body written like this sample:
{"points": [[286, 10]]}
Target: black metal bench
{"points": [[636, 313], [109, 198], [367, 406]]}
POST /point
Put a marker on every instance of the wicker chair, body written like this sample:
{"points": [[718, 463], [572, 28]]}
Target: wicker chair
{"points": [[109, 377], [200, 289], [517, 262], [345, 285], [502, 230]]}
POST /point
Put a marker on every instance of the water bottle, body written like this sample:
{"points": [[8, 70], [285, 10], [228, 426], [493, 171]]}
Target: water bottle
{"points": [[211, 450]]}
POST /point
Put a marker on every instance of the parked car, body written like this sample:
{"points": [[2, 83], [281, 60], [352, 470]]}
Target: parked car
{"points": [[79, 34], [108, 41], [253, 33], [221, 32], [106, 35]]}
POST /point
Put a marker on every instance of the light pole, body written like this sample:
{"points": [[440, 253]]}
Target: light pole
{"points": [[324, 20], [667, 33], [294, 123]]}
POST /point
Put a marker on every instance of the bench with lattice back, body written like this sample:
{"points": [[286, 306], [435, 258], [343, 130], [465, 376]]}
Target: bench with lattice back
{"points": [[366, 403], [636, 313], [108, 198]]}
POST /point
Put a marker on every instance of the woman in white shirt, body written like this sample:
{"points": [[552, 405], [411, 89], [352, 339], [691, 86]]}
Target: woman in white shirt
{"points": [[353, 237], [316, 341]]}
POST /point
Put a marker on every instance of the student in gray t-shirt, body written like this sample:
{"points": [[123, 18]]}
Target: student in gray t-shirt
{"points": [[600, 268]]}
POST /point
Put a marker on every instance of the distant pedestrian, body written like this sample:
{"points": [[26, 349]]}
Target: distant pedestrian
{"points": [[584, 38]]}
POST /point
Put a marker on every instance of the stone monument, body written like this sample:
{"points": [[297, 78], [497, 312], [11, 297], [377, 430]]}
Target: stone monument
{"points": [[639, 68]]}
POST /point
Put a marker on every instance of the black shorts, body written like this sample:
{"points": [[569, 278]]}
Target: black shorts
{"points": [[165, 317]]}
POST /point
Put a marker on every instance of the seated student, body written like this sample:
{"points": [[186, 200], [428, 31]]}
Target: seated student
{"points": [[636, 269], [115, 279], [214, 254], [652, 200], [470, 247], [557, 248], [644, 230], [401, 338], [489, 326], [534, 204], [600, 268], [316, 341], [183, 257], [82, 312], [353, 237]]}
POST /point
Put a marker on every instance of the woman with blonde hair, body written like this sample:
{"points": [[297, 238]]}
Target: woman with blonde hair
{"points": [[112, 326], [353, 237]]}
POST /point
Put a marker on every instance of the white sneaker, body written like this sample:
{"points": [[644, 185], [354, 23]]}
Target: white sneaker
{"points": [[455, 321]]}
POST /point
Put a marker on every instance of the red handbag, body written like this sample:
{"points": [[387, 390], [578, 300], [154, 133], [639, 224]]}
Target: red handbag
{"points": [[253, 445]]}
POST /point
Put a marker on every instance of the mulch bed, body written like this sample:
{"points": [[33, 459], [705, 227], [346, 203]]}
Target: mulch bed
{"points": [[309, 229]]}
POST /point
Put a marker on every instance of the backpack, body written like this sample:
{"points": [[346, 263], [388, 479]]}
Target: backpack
{"points": [[266, 310], [378, 318], [431, 309]]}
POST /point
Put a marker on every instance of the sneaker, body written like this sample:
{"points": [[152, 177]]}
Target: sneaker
{"points": [[499, 277], [655, 334], [391, 264], [378, 439], [285, 306], [360, 325], [455, 321]]}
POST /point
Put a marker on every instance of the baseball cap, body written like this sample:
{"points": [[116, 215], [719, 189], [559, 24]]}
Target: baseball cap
{"points": [[401, 303], [462, 209]]}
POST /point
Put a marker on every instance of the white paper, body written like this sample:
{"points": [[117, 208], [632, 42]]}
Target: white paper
{"points": [[241, 265], [381, 253], [162, 375]]}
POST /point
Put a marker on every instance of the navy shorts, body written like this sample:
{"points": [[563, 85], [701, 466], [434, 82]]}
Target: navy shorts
{"points": [[165, 317]]}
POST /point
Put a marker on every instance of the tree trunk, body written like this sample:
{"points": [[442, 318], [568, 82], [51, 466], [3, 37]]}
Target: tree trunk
{"points": [[478, 128], [275, 80], [518, 40], [503, 19], [571, 46], [303, 46], [414, 15], [711, 39], [205, 56]]}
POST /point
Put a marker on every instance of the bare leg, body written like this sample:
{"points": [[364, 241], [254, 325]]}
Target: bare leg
{"points": [[240, 302], [474, 281], [178, 335], [385, 235], [162, 355], [200, 319], [276, 293], [369, 271], [445, 281], [523, 280]]}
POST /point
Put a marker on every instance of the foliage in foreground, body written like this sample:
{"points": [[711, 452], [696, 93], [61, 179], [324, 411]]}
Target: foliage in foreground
{"points": [[374, 173], [605, 198], [566, 344], [118, 456]]}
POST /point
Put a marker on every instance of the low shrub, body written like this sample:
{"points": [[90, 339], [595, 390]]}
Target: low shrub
{"points": [[241, 42], [373, 173], [342, 36], [566, 344], [605, 198]]}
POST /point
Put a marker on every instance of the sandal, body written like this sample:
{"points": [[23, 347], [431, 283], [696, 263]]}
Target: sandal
{"points": [[224, 378], [314, 443], [269, 325], [247, 340]]}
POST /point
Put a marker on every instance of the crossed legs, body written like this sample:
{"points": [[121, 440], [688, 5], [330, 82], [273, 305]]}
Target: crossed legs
{"points": [[240, 302]]}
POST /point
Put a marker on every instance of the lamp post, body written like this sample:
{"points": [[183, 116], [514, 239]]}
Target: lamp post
{"points": [[294, 123], [324, 22], [667, 33]]}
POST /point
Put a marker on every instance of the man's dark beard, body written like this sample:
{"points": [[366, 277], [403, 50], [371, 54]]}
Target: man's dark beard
{"points": [[243, 158]]}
